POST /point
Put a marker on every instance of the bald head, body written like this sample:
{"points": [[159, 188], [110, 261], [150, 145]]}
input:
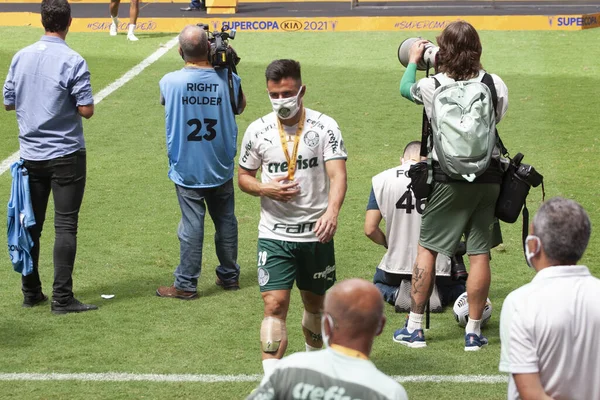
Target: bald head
{"points": [[412, 151], [356, 307], [193, 43]]}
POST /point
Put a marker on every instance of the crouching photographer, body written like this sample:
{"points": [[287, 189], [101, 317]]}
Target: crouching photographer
{"points": [[462, 105], [201, 101]]}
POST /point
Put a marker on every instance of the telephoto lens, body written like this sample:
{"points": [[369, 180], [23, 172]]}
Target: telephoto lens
{"points": [[427, 59]]}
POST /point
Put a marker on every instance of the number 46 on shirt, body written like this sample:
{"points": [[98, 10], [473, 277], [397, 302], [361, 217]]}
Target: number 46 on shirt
{"points": [[195, 135], [406, 203]]}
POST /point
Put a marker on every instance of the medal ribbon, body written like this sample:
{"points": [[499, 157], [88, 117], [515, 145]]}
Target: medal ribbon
{"points": [[282, 135]]}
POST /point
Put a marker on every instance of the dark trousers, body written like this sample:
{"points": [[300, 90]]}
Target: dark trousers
{"points": [[388, 284], [65, 178]]}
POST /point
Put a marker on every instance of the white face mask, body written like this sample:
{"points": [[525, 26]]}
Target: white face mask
{"points": [[326, 317], [287, 108], [528, 254]]}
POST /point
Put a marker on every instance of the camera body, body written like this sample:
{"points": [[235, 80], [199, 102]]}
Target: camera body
{"points": [[222, 55], [527, 173], [458, 271], [427, 59], [517, 181]]}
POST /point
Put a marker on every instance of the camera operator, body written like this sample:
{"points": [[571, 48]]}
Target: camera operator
{"points": [[454, 207], [201, 144], [392, 200]]}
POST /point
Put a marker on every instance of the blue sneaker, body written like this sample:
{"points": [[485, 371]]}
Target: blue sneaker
{"points": [[474, 342], [414, 340]]}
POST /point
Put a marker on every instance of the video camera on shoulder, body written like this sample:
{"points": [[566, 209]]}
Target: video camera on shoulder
{"points": [[222, 55]]}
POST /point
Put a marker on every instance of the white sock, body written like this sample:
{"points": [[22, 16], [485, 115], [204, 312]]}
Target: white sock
{"points": [[415, 321], [473, 326], [269, 365], [310, 348], [131, 28], [115, 20]]}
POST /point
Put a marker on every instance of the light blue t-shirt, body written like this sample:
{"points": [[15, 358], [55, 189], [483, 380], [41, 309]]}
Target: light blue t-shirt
{"points": [[19, 219], [46, 82], [200, 125]]}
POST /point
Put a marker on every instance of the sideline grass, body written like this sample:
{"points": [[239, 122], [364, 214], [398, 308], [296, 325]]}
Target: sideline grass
{"points": [[128, 244]]}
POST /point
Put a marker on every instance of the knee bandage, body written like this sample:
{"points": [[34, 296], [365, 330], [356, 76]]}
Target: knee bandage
{"points": [[312, 323], [272, 332]]}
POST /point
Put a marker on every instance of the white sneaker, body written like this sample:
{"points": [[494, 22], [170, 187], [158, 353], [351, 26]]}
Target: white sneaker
{"points": [[132, 37], [113, 29]]}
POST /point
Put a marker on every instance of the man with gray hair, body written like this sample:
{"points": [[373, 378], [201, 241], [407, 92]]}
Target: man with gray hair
{"points": [[352, 318], [201, 145], [549, 327]]}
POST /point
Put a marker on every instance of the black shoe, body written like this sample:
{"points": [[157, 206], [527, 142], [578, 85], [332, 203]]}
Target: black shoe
{"points": [[192, 9], [38, 299], [235, 285], [71, 306]]}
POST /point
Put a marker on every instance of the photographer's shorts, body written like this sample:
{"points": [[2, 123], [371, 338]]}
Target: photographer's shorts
{"points": [[310, 264], [457, 208]]}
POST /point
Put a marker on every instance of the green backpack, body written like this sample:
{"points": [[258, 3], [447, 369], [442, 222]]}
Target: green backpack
{"points": [[463, 124]]}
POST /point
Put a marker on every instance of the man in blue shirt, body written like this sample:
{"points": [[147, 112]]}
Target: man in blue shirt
{"points": [[48, 85], [201, 145]]}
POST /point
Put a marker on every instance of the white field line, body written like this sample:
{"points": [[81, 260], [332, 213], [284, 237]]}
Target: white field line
{"points": [[124, 377], [101, 95]]}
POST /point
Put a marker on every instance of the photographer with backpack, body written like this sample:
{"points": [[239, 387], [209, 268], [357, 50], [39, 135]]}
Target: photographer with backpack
{"points": [[462, 103]]}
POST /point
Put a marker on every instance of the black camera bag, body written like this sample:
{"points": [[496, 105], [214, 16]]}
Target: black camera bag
{"points": [[418, 174], [513, 195], [513, 192]]}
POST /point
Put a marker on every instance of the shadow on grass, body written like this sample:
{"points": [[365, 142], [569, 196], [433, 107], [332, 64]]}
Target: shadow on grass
{"points": [[22, 333]]}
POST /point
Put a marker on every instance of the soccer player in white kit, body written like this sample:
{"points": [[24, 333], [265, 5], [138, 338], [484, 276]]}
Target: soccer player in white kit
{"points": [[134, 10], [302, 161]]}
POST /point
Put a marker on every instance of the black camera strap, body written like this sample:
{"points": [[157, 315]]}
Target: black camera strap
{"points": [[235, 102], [525, 213], [489, 82]]}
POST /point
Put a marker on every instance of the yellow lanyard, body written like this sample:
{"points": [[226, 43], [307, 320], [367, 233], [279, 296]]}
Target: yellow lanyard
{"points": [[349, 352], [293, 159]]}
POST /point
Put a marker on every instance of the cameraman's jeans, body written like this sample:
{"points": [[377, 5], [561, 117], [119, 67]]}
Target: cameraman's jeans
{"points": [[65, 178], [388, 285], [221, 207]]}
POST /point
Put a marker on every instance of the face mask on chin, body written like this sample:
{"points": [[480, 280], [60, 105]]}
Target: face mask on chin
{"points": [[528, 254], [287, 108]]}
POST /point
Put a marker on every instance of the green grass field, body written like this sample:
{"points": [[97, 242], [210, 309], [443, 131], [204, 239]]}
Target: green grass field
{"points": [[127, 238]]}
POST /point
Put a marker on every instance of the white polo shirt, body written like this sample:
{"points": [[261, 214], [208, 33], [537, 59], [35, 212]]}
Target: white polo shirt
{"points": [[551, 326]]}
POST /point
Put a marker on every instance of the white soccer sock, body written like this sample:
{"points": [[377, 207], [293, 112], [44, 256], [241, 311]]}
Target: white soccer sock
{"points": [[473, 326], [131, 28], [269, 365], [415, 321], [115, 20], [310, 348]]}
